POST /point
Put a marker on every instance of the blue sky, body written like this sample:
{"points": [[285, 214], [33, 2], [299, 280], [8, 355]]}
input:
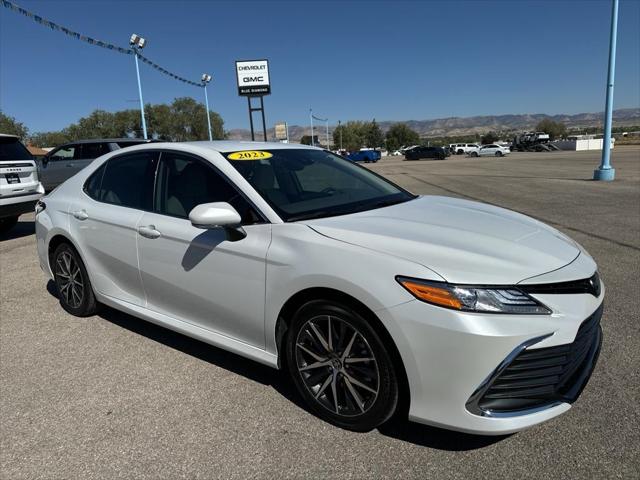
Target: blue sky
{"points": [[347, 60]]}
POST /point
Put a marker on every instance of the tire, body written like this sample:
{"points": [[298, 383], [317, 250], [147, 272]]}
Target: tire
{"points": [[498, 154], [460, 152], [474, 154], [72, 281], [355, 395], [7, 224]]}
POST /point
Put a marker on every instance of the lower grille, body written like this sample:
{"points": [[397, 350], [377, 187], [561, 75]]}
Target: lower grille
{"points": [[544, 376]]}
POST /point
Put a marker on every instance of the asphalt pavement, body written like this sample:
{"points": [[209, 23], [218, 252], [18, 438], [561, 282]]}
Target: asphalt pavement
{"points": [[112, 396]]}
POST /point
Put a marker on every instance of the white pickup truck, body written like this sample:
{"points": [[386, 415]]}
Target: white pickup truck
{"points": [[19, 185]]}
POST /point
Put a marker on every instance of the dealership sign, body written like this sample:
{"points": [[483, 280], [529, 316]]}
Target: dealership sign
{"points": [[253, 78]]}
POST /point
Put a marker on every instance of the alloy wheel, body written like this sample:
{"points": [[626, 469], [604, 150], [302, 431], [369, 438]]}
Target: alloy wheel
{"points": [[337, 365], [69, 279]]}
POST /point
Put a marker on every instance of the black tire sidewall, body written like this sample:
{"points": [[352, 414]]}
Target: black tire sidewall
{"points": [[387, 401], [88, 305]]}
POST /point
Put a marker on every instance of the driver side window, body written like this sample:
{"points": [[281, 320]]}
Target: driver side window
{"points": [[184, 182], [64, 153]]}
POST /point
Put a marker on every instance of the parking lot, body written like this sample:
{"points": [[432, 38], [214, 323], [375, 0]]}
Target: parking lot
{"points": [[112, 396]]}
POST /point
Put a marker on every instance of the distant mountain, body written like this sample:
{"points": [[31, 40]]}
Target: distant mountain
{"points": [[467, 125]]}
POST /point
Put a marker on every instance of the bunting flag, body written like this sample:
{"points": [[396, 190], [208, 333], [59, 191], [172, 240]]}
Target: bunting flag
{"points": [[92, 41]]}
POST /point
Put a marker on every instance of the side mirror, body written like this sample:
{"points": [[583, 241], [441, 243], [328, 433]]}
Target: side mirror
{"points": [[218, 214]]}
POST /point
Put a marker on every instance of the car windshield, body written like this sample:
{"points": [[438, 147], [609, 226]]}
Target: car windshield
{"points": [[303, 183], [12, 149]]}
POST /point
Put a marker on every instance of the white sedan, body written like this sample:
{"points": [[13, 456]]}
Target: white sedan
{"points": [[478, 318], [489, 151]]}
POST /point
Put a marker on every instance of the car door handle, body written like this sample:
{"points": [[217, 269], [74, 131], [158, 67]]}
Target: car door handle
{"points": [[149, 231], [80, 214]]}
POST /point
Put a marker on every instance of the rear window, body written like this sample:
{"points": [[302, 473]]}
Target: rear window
{"points": [[12, 149]]}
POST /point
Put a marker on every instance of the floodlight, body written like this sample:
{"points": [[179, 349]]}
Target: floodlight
{"points": [[206, 78]]}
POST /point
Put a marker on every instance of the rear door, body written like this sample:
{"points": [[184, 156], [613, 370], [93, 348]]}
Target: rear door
{"points": [[104, 219]]}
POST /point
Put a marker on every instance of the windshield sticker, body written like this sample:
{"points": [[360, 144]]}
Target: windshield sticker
{"points": [[249, 155]]}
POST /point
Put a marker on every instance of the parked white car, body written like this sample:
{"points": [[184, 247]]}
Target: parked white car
{"points": [[487, 320], [19, 184], [492, 150]]}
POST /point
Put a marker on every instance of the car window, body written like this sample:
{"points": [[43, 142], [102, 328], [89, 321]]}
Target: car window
{"points": [[63, 153], [130, 143], [305, 183], [90, 151], [12, 149], [128, 180], [184, 182], [93, 185]]}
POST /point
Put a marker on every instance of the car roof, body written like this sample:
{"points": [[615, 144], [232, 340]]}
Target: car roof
{"points": [[111, 140], [232, 146], [7, 135]]}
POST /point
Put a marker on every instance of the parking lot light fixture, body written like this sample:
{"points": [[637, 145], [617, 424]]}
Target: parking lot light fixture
{"points": [[206, 78], [138, 43], [605, 172]]}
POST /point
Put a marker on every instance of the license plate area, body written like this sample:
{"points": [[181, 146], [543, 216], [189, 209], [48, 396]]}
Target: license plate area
{"points": [[12, 178]]}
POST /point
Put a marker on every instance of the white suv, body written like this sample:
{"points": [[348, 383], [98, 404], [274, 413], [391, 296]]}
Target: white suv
{"points": [[19, 185], [460, 148]]}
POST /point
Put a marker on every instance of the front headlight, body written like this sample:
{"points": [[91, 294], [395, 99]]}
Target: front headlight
{"points": [[474, 299]]}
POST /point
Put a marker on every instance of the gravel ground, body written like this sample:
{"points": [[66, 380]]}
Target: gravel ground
{"points": [[115, 397]]}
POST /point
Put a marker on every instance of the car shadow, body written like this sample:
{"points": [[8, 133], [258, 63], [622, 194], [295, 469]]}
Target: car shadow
{"points": [[398, 427], [21, 229]]}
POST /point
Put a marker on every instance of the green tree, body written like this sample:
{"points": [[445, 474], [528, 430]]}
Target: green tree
{"points": [[49, 139], [306, 139], [400, 135], [10, 126], [353, 135], [554, 129], [489, 137], [373, 135]]}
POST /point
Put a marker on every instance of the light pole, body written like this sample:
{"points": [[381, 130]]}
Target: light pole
{"points": [[604, 171], [327, 134], [311, 118], [340, 128], [138, 42], [206, 78]]}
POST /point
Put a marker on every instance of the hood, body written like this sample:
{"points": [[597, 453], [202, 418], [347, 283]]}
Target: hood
{"points": [[462, 241]]}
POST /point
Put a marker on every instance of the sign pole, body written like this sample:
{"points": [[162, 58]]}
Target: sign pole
{"points": [[253, 136], [264, 125]]}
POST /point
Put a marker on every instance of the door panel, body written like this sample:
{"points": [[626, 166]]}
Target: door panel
{"points": [[107, 239], [200, 277]]}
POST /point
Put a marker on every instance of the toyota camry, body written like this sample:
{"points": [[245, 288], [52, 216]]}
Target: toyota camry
{"points": [[474, 317]]}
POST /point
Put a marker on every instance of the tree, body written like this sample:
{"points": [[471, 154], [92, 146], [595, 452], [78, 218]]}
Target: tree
{"points": [[306, 140], [182, 120], [489, 137], [11, 126], [400, 135], [554, 129], [353, 135], [373, 135]]}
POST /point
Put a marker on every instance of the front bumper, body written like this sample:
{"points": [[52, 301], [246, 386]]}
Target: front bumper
{"points": [[451, 356]]}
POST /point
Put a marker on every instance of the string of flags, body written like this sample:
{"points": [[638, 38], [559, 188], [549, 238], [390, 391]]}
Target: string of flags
{"points": [[92, 41]]}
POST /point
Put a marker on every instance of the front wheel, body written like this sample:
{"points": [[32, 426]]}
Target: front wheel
{"points": [[474, 154], [74, 288], [340, 366], [498, 154]]}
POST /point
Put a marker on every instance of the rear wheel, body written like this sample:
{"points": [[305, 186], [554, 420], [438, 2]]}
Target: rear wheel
{"points": [[7, 223], [474, 154], [340, 366], [74, 288]]}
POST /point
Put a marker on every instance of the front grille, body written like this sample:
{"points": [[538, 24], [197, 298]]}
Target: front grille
{"points": [[587, 285], [543, 376]]}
